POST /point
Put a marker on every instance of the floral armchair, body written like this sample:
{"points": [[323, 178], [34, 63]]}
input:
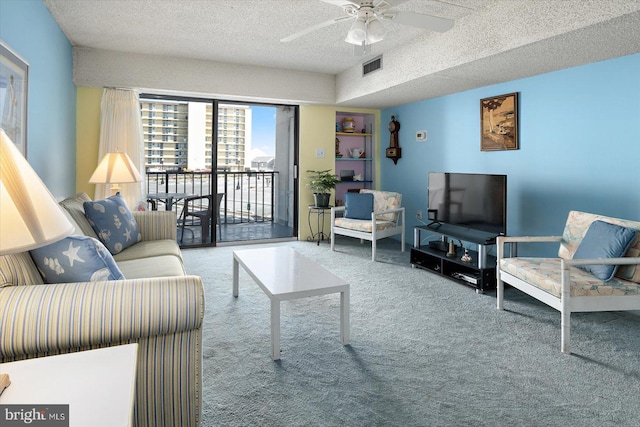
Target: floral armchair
{"points": [[369, 215]]}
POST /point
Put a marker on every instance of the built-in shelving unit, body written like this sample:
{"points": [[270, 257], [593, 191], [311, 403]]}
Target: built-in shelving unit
{"points": [[362, 166]]}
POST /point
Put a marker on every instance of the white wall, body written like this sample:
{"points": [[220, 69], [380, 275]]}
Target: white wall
{"points": [[159, 74]]}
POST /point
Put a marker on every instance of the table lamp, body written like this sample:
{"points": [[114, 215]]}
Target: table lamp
{"points": [[30, 216], [115, 168]]}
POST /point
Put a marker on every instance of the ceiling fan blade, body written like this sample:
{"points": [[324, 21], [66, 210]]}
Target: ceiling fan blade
{"points": [[419, 20], [314, 28], [382, 5], [392, 3], [341, 3]]}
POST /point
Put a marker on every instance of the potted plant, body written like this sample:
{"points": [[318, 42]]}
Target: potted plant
{"points": [[321, 183]]}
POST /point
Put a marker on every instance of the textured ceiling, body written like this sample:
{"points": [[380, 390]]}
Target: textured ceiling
{"points": [[236, 31], [539, 36]]}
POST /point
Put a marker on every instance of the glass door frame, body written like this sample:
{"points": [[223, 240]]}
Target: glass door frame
{"points": [[215, 102]]}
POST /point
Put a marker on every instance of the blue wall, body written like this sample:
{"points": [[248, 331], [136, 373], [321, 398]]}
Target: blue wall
{"points": [[579, 146], [30, 30]]}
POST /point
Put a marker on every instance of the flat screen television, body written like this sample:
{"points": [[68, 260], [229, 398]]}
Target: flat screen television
{"points": [[475, 201]]}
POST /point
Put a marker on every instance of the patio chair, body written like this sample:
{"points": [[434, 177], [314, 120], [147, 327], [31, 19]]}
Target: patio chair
{"points": [[201, 207]]}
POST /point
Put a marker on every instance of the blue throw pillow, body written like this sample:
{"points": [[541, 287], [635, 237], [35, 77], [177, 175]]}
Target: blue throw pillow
{"points": [[75, 259], [604, 240], [113, 222], [358, 205]]}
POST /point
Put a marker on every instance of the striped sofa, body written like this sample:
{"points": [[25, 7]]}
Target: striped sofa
{"points": [[158, 306]]}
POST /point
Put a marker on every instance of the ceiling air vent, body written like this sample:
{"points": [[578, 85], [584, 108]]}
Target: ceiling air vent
{"points": [[371, 66]]}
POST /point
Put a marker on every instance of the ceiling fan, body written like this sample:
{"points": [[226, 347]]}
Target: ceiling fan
{"points": [[367, 15]]}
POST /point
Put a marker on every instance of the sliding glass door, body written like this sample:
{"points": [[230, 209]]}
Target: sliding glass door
{"points": [[256, 156], [224, 168]]}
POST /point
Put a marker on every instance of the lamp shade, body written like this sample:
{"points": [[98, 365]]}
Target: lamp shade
{"points": [[115, 168], [30, 216]]}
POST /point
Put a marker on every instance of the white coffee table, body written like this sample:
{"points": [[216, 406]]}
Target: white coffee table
{"points": [[98, 385], [284, 274]]}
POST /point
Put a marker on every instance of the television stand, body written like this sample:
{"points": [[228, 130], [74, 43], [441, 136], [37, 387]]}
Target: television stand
{"points": [[479, 272]]}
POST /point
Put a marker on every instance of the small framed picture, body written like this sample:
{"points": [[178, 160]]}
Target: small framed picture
{"points": [[499, 123], [14, 85]]}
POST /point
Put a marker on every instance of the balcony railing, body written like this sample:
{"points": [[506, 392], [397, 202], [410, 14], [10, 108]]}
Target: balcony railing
{"points": [[248, 196]]}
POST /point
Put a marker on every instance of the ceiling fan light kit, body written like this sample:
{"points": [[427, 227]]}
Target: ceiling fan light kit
{"points": [[357, 33], [367, 27], [369, 32], [375, 31]]}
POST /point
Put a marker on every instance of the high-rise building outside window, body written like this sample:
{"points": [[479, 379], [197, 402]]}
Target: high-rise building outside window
{"points": [[186, 131]]}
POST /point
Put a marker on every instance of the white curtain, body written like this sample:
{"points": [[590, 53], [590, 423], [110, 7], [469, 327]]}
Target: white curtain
{"points": [[121, 131]]}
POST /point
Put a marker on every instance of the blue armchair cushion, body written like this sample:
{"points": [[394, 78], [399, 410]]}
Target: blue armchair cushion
{"points": [[604, 240], [75, 259], [113, 222], [358, 205]]}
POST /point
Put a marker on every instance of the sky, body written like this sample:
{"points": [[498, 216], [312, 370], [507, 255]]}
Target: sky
{"points": [[264, 129]]}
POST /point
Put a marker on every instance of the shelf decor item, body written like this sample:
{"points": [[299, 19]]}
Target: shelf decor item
{"points": [[321, 183], [348, 125], [394, 152], [499, 123], [356, 153]]}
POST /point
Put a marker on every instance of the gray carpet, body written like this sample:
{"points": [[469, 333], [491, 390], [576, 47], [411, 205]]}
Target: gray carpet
{"points": [[425, 351]]}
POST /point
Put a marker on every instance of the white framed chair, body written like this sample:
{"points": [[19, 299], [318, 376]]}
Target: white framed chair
{"points": [[386, 218]]}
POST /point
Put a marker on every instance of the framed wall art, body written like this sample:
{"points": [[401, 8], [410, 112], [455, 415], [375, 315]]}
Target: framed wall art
{"points": [[499, 123], [14, 89]]}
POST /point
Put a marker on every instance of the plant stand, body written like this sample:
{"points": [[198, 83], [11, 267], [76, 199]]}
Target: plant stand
{"points": [[320, 213]]}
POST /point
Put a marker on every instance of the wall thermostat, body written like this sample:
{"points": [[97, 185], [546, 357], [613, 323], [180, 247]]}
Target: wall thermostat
{"points": [[421, 135]]}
